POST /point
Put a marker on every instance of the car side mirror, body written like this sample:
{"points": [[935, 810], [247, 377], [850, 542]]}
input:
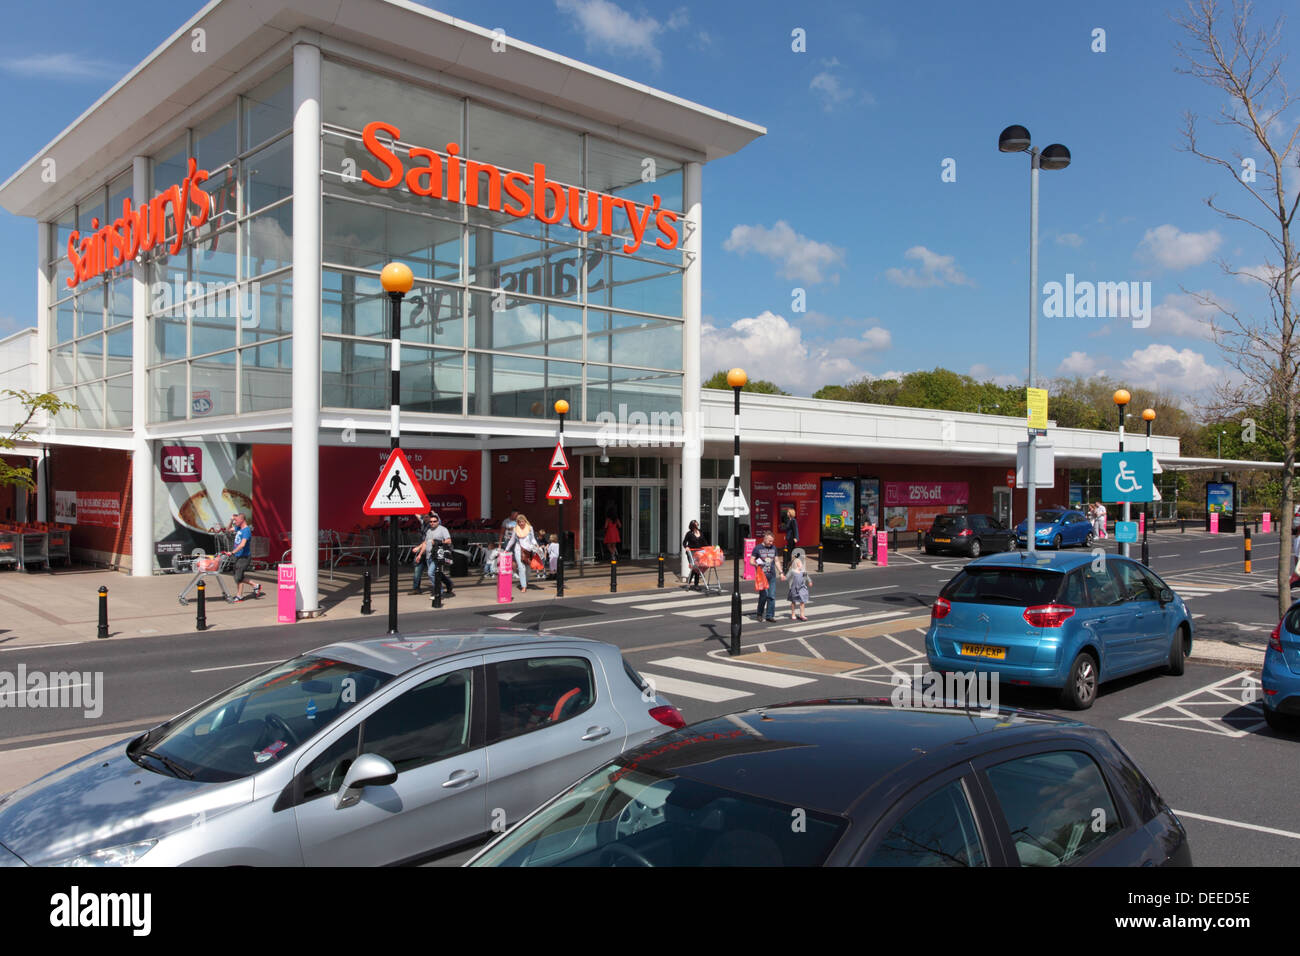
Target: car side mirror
{"points": [[368, 770], [1166, 596]]}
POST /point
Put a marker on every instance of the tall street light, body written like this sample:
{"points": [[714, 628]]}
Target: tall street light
{"points": [[1122, 398], [1015, 139], [737, 379], [561, 409], [397, 281], [1148, 416]]}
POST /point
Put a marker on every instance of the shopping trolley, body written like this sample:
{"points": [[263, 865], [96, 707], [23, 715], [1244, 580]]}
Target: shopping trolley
{"points": [[706, 561], [207, 566]]}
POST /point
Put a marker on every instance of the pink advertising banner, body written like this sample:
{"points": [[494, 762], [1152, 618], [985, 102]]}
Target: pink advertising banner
{"points": [[287, 593], [910, 494]]}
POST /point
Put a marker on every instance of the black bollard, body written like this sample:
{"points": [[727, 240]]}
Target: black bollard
{"points": [[201, 618], [1182, 525], [871, 546], [559, 576], [1246, 544], [103, 612], [1146, 553], [855, 549], [365, 594], [893, 539], [437, 592], [661, 569], [613, 575], [821, 564]]}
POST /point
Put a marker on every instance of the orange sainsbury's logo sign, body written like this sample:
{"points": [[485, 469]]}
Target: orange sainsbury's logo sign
{"points": [[138, 229], [514, 193]]}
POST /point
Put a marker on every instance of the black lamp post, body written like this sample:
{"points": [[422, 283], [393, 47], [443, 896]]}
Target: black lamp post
{"points": [[1148, 416], [397, 281], [561, 409], [1121, 399], [737, 379]]}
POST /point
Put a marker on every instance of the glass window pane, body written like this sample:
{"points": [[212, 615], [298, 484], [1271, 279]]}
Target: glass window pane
{"points": [[538, 692], [272, 302], [268, 175], [90, 308], [521, 265], [352, 97], [267, 377], [528, 388], [268, 108], [353, 305], [635, 397], [214, 258], [432, 381], [268, 240], [62, 273], [354, 374], [637, 284], [168, 335], [214, 141], [212, 386], [223, 202], [63, 227], [118, 347], [939, 831], [432, 314], [640, 341], [168, 393], [120, 189], [370, 236], [90, 358], [427, 723], [121, 305], [90, 212], [61, 365], [526, 326], [65, 320], [1051, 803], [213, 318], [118, 414], [170, 164], [633, 174], [90, 400], [515, 142]]}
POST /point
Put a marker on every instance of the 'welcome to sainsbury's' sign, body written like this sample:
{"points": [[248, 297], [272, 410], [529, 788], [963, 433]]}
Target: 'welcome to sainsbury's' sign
{"points": [[535, 195]]}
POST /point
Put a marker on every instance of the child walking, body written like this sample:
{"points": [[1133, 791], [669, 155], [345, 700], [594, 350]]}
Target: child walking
{"points": [[798, 594]]}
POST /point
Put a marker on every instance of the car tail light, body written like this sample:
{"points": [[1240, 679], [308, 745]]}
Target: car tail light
{"points": [[965, 534], [669, 716], [940, 609], [1048, 615], [1275, 638]]}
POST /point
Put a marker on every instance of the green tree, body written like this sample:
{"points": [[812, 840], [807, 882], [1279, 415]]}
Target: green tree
{"points": [[31, 403], [761, 385]]}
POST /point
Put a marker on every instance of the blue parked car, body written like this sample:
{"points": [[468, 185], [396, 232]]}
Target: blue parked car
{"points": [[1052, 620], [1057, 528], [1281, 673]]}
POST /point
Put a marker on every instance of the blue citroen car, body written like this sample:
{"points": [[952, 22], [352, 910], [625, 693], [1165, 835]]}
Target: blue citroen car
{"points": [[1281, 673], [1055, 620], [1057, 528]]}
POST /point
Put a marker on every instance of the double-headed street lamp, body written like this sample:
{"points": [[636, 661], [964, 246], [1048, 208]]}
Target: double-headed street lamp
{"points": [[1015, 139], [737, 379], [397, 281]]}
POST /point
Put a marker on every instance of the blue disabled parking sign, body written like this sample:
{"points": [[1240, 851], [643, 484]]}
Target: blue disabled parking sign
{"points": [[1126, 476], [1126, 532]]}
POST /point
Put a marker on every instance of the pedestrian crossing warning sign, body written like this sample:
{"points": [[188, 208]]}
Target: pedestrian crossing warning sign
{"points": [[559, 490], [558, 460], [396, 492]]}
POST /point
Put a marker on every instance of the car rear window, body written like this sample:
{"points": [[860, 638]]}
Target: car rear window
{"points": [[948, 522], [1020, 587]]}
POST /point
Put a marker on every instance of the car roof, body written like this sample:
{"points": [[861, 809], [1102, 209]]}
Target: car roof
{"points": [[826, 754], [1062, 561], [398, 653]]}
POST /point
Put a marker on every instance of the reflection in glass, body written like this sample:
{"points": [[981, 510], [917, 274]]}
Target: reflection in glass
{"points": [[354, 374]]}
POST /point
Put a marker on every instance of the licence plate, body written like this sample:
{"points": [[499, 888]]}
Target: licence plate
{"points": [[984, 650], [943, 540]]}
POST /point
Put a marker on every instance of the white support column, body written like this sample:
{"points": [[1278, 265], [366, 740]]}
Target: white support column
{"points": [[44, 330], [305, 510], [142, 463], [673, 464], [485, 482], [691, 248]]}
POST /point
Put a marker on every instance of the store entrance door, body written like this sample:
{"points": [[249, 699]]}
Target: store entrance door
{"points": [[616, 502], [1002, 505]]}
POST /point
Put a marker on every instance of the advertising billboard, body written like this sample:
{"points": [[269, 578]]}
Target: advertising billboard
{"points": [[839, 510], [1221, 500]]}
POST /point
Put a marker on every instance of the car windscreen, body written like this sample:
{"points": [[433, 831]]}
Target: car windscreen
{"points": [[948, 523], [1019, 587], [1047, 517], [627, 817], [258, 722]]}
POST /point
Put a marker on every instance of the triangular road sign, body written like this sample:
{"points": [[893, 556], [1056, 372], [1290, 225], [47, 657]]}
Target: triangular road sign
{"points": [[396, 492], [559, 490], [733, 501], [558, 461]]}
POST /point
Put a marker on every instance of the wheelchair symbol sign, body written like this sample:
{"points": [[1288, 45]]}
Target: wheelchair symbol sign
{"points": [[1126, 476]]}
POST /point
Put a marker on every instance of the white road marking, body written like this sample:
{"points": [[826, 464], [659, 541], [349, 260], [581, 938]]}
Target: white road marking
{"points": [[879, 660], [836, 622], [733, 672], [689, 688], [1236, 823], [811, 650], [1212, 550], [640, 596], [506, 615], [1218, 697], [235, 667], [685, 602], [621, 620]]}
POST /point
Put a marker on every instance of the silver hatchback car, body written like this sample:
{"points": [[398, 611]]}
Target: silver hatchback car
{"points": [[388, 750]]}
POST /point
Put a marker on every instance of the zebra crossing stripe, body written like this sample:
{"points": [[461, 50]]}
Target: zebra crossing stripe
{"points": [[676, 687], [642, 596], [683, 602], [858, 619], [750, 675], [825, 609]]}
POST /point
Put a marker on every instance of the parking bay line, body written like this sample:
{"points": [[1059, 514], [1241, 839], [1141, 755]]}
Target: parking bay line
{"points": [[690, 688], [1235, 823], [733, 672]]}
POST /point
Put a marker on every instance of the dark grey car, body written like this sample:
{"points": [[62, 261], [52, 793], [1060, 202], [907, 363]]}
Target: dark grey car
{"points": [[387, 750]]}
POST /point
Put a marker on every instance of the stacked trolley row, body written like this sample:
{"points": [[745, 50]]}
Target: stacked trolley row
{"points": [[35, 544]]}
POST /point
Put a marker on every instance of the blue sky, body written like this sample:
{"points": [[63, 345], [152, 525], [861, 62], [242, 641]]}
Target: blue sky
{"points": [[844, 197]]}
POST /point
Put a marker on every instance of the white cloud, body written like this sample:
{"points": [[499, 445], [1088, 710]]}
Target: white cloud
{"points": [[1174, 249], [62, 66], [1079, 363], [775, 350], [1181, 314], [983, 373], [1163, 366], [1071, 239], [1265, 273], [935, 270], [832, 90], [609, 28], [800, 257]]}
